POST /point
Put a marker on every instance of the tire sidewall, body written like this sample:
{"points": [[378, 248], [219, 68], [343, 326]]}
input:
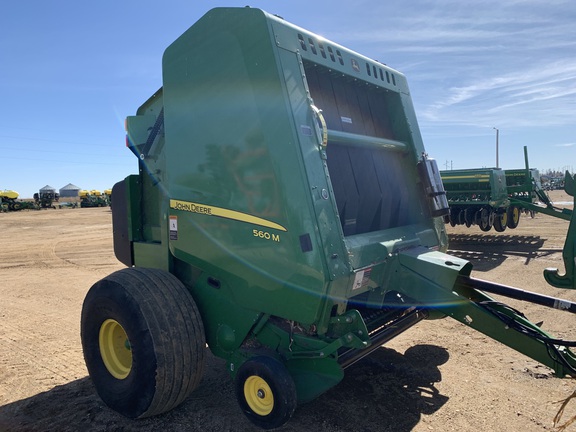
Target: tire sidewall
{"points": [[281, 385], [513, 217], [500, 222], [133, 395]]}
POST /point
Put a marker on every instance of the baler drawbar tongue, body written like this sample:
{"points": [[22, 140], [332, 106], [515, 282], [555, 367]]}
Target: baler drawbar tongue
{"points": [[519, 294], [518, 332]]}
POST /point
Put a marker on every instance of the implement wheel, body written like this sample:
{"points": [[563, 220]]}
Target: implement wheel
{"points": [[469, 217], [143, 341], [453, 217], [486, 220], [500, 221], [266, 392], [513, 217]]}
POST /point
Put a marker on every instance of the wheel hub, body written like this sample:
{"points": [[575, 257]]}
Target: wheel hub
{"points": [[258, 395], [115, 349]]}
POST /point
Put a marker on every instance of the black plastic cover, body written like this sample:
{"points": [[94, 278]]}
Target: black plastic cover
{"points": [[120, 228]]}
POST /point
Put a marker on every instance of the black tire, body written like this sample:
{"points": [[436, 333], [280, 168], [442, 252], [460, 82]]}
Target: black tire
{"points": [[513, 217], [485, 220], [452, 217], [461, 217], [485, 227], [500, 221], [468, 217], [146, 325], [266, 392]]}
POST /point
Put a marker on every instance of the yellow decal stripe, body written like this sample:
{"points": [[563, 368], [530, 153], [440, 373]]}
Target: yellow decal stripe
{"points": [[224, 213], [481, 176]]}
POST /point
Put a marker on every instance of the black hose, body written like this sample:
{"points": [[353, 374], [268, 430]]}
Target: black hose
{"points": [[550, 343]]}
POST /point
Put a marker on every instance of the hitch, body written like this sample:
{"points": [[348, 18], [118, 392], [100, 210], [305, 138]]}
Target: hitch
{"points": [[552, 276], [515, 330], [443, 284]]}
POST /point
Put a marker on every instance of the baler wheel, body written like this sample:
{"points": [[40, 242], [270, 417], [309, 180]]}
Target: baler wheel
{"points": [[115, 348], [143, 341], [500, 221], [513, 217], [266, 392]]}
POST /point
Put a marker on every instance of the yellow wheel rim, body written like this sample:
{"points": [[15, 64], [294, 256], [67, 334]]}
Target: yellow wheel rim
{"points": [[515, 215], [258, 395], [115, 349]]}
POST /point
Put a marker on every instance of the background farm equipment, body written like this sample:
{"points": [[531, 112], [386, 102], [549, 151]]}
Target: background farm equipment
{"points": [[42, 199], [46, 199], [108, 196], [93, 198], [262, 224], [527, 193], [477, 197], [492, 197], [9, 202]]}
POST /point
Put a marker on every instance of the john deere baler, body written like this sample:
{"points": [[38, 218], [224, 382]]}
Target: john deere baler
{"points": [[285, 215]]}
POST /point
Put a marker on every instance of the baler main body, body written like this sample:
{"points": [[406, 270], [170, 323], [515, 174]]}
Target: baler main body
{"points": [[284, 182], [240, 198]]}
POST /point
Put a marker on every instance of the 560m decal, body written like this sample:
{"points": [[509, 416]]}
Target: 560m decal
{"points": [[224, 213]]}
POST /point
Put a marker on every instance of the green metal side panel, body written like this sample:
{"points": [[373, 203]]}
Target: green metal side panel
{"points": [[147, 199], [238, 194], [248, 182]]}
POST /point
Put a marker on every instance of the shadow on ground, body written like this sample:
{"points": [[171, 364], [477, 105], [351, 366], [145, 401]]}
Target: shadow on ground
{"points": [[487, 252], [386, 391]]}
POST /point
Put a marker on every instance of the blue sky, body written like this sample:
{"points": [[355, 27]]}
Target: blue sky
{"points": [[71, 71]]}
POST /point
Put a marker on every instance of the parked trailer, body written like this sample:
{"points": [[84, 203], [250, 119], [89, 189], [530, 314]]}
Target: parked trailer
{"points": [[492, 197], [286, 216]]}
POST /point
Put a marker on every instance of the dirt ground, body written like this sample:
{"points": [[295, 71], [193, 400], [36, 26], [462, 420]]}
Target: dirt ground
{"points": [[438, 376]]}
